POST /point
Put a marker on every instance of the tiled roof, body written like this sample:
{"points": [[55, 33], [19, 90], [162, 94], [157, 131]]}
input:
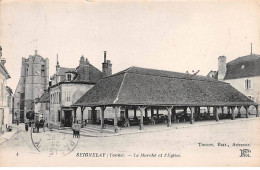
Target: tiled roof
{"points": [[140, 86], [94, 74], [63, 70], [246, 66]]}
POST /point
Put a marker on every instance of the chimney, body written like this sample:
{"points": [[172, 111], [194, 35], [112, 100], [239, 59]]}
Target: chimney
{"points": [[105, 56], [82, 60], [106, 66], [57, 64], [222, 68], [251, 49]]}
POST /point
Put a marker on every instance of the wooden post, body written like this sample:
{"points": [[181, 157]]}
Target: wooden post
{"points": [[134, 112], [102, 125], [127, 124], [191, 115], [74, 114], [152, 116], [141, 126], [246, 107], [169, 123], [256, 107], [174, 116], [222, 111], [239, 113], [208, 108], [157, 113], [116, 111], [146, 112], [216, 112], [93, 117], [81, 118], [198, 112], [185, 113], [233, 113]]}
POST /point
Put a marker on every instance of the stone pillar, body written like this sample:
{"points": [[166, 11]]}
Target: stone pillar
{"points": [[169, 123], [246, 107], [216, 113], [102, 125], [256, 107], [233, 113], [191, 115], [116, 111], [141, 126], [238, 113]]}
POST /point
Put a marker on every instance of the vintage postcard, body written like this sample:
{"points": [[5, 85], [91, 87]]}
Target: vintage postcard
{"points": [[129, 83]]}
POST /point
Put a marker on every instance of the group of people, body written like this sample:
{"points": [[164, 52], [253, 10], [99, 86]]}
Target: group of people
{"points": [[36, 126]]}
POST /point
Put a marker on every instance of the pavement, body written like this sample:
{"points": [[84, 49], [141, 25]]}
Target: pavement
{"points": [[7, 135], [95, 131]]}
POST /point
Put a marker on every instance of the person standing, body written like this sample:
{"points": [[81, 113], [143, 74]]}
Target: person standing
{"points": [[77, 129]]}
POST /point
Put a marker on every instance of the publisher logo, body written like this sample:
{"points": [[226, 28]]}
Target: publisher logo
{"points": [[245, 152]]}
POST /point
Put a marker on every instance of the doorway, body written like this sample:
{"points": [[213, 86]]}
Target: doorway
{"points": [[68, 118]]}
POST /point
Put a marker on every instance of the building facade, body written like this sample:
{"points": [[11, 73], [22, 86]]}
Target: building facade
{"points": [[42, 106], [68, 85], [4, 107], [34, 80], [243, 73]]}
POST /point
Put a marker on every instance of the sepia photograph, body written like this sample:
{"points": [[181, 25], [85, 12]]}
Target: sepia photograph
{"points": [[129, 83]]}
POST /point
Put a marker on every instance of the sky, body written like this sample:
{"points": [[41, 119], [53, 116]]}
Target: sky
{"points": [[168, 35]]}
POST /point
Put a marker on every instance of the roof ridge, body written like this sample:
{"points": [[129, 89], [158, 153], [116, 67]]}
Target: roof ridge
{"points": [[187, 78], [119, 89]]}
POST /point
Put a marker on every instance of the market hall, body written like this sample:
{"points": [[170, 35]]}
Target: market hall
{"points": [[153, 90]]}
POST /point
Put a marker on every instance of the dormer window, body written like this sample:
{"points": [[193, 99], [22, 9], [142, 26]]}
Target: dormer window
{"points": [[69, 77]]}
